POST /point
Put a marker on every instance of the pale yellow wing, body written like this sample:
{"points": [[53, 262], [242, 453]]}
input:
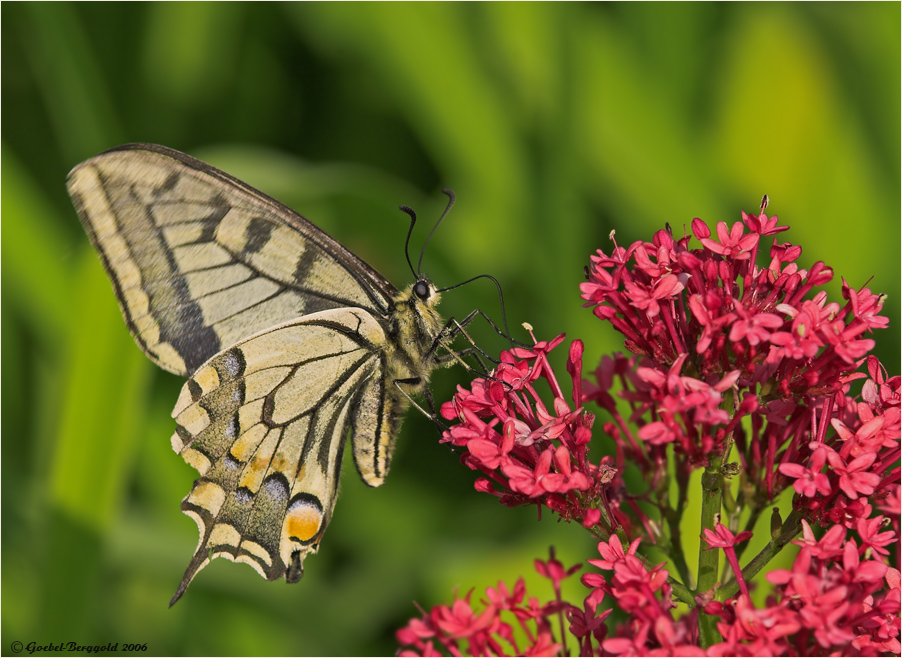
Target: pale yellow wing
{"points": [[264, 423], [200, 260]]}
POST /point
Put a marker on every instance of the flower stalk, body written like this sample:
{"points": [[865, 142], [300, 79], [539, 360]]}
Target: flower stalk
{"points": [[709, 561]]}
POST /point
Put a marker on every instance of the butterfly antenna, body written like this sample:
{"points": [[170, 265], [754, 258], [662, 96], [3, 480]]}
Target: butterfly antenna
{"points": [[506, 333], [451, 198], [413, 220]]}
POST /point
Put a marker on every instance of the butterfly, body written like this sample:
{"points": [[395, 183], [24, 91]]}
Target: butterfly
{"points": [[289, 341]]}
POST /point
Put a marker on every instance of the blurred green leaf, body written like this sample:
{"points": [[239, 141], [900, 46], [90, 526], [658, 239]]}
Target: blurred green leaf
{"points": [[34, 256], [73, 91], [90, 471], [190, 48]]}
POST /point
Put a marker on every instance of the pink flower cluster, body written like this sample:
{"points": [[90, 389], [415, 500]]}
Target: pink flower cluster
{"points": [[710, 320], [528, 452], [861, 457], [746, 371], [839, 597], [460, 630], [644, 594], [751, 356], [836, 600]]}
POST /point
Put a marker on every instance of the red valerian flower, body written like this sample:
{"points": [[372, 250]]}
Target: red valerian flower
{"points": [[460, 621], [539, 456], [872, 538], [854, 478], [642, 593], [462, 630], [748, 631], [746, 371], [588, 624], [840, 598], [734, 243], [722, 537], [738, 341], [554, 570], [810, 480]]}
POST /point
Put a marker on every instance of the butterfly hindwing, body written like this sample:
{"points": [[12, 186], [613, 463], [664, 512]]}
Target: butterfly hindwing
{"points": [[264, 422], [200, 260]]}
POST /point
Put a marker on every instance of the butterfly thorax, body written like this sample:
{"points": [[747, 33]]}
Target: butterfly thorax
{"points": [[414, 325]]}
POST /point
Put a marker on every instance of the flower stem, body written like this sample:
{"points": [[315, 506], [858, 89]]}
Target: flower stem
{"points": [[674, 518], [560, 616], [676, 545], [681, 592], [791, 528], [709, 561]]}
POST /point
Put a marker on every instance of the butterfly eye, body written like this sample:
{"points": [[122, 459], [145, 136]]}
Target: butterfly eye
{"points": [[421, 290]]}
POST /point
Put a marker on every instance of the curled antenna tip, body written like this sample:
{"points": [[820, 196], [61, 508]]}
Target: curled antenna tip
{"points": [[413, 220], [451, 198]]}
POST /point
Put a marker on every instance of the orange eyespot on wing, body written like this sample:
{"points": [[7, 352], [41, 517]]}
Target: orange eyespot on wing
{"points": [[304, 519]]}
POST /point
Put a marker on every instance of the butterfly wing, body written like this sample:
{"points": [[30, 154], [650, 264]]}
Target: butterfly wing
{"points": [[265, 421], [290, 342], [200, 260]]}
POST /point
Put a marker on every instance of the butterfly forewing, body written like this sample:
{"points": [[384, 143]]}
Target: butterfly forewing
{"points": [[200, 260], [290, 343]]}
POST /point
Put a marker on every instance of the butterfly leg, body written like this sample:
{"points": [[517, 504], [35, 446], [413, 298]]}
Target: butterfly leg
{"points": [[417, 381], [451, 329], [491, 323]]}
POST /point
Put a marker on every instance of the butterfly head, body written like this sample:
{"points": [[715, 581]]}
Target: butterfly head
{"points": [[425, 292], [414, 318], [419, 299]]}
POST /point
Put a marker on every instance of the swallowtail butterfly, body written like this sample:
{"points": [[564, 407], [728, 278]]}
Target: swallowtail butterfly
{"points": [[290, 343]]}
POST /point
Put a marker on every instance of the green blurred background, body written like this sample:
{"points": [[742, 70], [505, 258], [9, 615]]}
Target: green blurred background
{"points": [[554, 123]]}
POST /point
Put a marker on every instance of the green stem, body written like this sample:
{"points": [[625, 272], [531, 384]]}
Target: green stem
{"points": [[674, 521], [790, 529], [682, 592], [709, 561], [753, 520], [674, 517], [601, 533]]}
